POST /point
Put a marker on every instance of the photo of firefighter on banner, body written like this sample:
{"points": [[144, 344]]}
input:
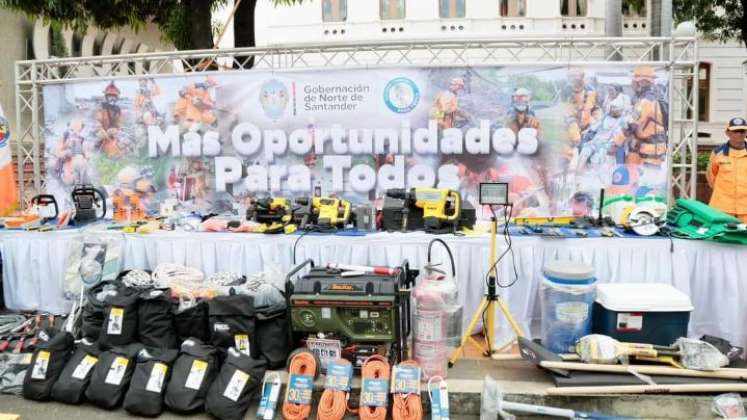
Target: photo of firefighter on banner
{"points": [[558, 135]]}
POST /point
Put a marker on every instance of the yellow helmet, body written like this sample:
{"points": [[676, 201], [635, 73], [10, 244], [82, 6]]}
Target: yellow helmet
{"points": [[644, 72], [575, 73]]}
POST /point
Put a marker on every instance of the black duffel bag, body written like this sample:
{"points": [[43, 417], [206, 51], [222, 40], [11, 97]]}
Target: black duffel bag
{"points": [[47, 363], [193, 371], [231, 392], [232, 323], [156, 320], [148, 384], [92, 313], [71, 386], [271, 338], [112, 375], [193, 322], [120, 319]]}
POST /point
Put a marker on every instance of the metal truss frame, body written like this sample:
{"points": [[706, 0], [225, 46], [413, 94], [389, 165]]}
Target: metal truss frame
{"points": [[679, 55]]}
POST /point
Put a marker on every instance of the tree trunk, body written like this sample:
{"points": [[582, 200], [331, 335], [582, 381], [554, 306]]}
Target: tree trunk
{"points": [[243, 24], [201, 35], [744, 23]]}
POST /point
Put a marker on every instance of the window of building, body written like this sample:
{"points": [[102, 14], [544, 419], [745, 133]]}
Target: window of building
{"points": [[452, 8], [334, 10], [704, 91], [513, 8], [573, 8], [392, 9], [634, 8]]}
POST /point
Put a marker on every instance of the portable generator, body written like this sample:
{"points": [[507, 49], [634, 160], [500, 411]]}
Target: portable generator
{"points": [[366, 311]]}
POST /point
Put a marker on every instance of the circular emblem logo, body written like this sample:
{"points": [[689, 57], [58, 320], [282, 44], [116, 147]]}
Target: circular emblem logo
{"points": [[401, 95], [273, 96], [4, 132]]}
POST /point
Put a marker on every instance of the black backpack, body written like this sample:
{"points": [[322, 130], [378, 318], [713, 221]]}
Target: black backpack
{"points": [[191, 376], [232, 323], [232, 390], [47, 363], [71, 386], [112, 375], [148, 384], [120, 319], [156, 320]]}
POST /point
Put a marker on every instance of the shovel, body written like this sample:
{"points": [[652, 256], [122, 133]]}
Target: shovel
{"points": [[601, 349], [546, 359], [492, 392], [692, 354]]}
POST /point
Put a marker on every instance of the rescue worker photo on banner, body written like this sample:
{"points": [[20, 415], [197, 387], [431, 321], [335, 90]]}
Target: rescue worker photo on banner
{"points": [[727, 171]]}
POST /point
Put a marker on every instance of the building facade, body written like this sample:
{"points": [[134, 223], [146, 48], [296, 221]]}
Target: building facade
{"points": [[24, 39], [722, 80]]}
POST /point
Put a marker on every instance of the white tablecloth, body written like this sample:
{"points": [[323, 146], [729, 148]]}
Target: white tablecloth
{"points": [[714, 275]]}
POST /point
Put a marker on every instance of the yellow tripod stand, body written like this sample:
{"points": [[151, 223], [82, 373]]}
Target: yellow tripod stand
{"points": [[488, 304]]}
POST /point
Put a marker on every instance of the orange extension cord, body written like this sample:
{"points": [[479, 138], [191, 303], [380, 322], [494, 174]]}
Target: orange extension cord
{"points": [[407, 407], [333, 404], [303, 363], [375, 367]]}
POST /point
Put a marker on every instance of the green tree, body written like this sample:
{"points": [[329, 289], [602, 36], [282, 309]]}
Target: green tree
{"points": [[186, 23], [723, 20]]}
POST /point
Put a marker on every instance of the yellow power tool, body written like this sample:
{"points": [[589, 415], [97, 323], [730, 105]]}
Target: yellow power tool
{"points": [[275, 213], [325, 212], [442, 208]]}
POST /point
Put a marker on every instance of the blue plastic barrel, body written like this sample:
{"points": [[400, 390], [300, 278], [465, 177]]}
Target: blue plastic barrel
{"points": [[567, 295]]}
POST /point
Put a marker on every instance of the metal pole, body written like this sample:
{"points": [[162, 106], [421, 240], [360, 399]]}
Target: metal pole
{"points": [[613, 25], [35, 127], [19, 138], [665, 26], [655, 13], [696, 118], [672, 143]]}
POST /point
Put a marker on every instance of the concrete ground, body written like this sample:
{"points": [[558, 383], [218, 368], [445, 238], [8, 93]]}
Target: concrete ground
{"points": [[518, 380]]}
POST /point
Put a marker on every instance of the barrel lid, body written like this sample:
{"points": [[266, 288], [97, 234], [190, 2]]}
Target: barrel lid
{"points": [[569, 270]]}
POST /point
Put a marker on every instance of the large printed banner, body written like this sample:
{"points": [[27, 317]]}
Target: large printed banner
{"points": [[556, 134]]}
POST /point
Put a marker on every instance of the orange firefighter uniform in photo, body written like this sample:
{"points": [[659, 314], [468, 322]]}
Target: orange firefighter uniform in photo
{"points": [[446, 106], [515, 121], [144, 107], [195, 104], [109, 118], [581, 100], [649, 142], [521, 116]]}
